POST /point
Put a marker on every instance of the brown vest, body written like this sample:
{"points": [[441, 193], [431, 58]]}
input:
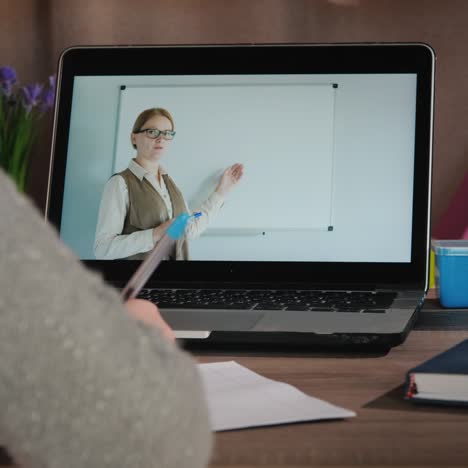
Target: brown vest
{"points": [[146, 210]]}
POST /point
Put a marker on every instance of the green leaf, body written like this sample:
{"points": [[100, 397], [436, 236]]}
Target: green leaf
{"points": [[18, 134]]}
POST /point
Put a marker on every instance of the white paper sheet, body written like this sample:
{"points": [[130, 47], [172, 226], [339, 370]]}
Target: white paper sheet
{"points": [[238, 397]]}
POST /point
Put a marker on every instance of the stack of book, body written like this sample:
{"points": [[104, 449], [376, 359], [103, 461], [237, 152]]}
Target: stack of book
{"points": [[441, 380]]}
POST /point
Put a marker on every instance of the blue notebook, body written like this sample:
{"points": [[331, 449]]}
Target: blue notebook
{"points": [[442, 379]]}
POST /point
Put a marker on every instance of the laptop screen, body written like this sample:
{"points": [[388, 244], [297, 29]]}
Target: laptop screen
{"points": [[329, 162]]}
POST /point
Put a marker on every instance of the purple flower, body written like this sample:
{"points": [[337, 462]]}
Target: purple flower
{"points": [[48, 97], [52, 81], [7, 79], [31, 94], [7, 74]]}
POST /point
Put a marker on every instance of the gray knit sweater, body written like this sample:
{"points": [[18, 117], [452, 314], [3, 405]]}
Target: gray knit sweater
{"points": [[82, 384]]}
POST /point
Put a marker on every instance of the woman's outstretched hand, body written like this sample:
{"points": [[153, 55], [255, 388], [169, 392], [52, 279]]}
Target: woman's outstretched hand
{"points": [[230, 178]]}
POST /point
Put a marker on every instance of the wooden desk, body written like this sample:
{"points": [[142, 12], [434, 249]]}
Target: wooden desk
{"points": [[387, 430]]}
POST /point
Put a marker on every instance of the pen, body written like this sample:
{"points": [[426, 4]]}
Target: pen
{"points": [[160, 251]]}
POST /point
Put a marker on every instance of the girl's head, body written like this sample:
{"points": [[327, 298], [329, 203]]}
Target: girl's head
{"points": [[151, 133]]}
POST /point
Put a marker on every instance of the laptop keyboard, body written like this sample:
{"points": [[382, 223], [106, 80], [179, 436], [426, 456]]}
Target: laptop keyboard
{"points": [[300, 300]]}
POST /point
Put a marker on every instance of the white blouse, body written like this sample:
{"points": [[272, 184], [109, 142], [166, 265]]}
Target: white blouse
{"points": [[110, 244]]}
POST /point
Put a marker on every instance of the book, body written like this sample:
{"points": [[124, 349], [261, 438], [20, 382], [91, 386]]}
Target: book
{"points": [[442, 379]]}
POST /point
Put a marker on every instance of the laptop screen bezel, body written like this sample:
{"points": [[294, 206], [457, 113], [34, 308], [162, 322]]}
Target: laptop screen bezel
{"points": [[260, 59]]}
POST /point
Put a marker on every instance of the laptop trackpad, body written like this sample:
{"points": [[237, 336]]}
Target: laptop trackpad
{"points": [[223, 320]]}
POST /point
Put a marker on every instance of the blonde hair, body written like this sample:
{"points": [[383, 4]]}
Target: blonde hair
{"points": [[149, 114]]}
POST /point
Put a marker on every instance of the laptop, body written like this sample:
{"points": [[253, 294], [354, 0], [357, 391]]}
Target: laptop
{"points": [[324, 240]]}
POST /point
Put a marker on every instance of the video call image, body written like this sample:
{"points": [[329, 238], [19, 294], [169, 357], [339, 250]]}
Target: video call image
{"points": [[281, 168]]}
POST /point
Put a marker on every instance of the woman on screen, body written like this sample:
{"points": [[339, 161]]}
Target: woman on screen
{"points": [[139, 203]]}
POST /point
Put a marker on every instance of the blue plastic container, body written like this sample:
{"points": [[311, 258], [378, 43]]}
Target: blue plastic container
{"points": [[452, 272]]}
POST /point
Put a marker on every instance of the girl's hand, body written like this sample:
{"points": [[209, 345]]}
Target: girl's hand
{"points": [[148, 313], [230, 178], [159, 231]]}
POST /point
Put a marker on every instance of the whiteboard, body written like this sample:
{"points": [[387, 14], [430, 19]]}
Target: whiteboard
{"points": [[283, 133]]}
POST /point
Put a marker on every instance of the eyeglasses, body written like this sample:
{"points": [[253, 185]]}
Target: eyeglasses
{"points": [[154, 133]]}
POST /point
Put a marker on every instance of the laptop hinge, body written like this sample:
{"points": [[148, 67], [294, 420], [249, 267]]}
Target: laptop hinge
{"points": [[272, 286], [399, 287]]}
